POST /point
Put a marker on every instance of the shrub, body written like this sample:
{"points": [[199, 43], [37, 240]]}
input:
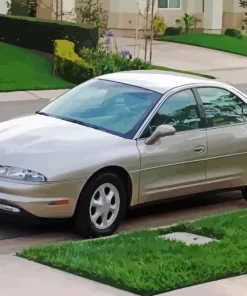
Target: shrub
{"points": [[189, 22], [69, 65], [94, 57], [105, 62], [115, 62], [159, 25], [172, 31], [40, 34], [197, 20], [138, 64], [18, 7], [92, 12], [234, 33]]}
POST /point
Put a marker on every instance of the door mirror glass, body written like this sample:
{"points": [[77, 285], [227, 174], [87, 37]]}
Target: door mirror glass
{"points": [[160, 132]]}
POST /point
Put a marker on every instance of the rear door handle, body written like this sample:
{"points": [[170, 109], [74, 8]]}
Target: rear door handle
{"points": [[200, 149]]}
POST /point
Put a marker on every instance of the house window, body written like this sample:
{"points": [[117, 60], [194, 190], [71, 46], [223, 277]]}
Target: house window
{"points": [[169, 4]]}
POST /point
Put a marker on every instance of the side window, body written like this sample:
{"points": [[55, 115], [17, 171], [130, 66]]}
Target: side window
{"points": [[222, 107], [179, 110]]}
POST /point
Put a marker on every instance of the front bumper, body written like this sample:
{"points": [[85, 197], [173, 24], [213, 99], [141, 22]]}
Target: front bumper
{"points": [[47, 200]]}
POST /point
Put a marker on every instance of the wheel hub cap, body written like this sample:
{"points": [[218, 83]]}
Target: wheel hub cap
{"points": [[104, 206]]}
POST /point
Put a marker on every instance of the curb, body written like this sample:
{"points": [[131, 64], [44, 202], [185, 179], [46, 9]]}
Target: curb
{"points": [[31, 95]]}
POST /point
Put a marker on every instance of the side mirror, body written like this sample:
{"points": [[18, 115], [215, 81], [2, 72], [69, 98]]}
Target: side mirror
{"points": [[160, 132]]}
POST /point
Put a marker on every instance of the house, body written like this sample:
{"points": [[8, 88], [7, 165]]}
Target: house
{"points": [[125, 15], [52, 9], [3, 7], [215, 15]]}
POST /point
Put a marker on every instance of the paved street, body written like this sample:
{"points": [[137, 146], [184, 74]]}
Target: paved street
{"points": [[14, 237], [242, 87], [14, 109]]}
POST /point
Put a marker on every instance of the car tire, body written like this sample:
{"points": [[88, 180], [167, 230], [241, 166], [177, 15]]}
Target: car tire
{"points": [[95, 199]]}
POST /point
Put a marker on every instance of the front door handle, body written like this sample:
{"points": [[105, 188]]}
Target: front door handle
{"points": [[200, 149]]}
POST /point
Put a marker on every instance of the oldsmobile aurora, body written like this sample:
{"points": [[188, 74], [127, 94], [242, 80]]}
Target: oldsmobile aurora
{"points": [[121, 140]]}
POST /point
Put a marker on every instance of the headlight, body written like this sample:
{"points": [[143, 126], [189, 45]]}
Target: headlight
{"points": [[21, 174]]}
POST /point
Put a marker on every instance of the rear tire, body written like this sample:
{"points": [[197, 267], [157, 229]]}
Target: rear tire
{"points": [[101, 206]]}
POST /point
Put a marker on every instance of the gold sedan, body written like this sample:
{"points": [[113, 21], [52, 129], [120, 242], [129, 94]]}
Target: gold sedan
{"points": [[121, 140]]}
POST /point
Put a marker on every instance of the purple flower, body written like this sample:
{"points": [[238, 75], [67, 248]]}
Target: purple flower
{"points": [[125, 53], [109, 34]]}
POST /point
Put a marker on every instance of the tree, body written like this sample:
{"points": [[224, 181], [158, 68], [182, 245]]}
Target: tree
{"points": [[148, 16], [243, 4], [92, 12], [18, 7]]}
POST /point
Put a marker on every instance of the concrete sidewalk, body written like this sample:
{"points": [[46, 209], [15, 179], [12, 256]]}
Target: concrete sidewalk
{"points": [[184, 57], [236, 286], [226, 67], [31, 95], [23, 277]]}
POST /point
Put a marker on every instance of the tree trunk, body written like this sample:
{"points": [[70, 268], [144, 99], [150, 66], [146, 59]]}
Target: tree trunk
{"points": [[56, 13], [146, 30], [151, 32], [61, 10]]}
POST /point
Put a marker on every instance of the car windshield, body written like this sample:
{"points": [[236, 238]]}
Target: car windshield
{"points": [[110, 106]]}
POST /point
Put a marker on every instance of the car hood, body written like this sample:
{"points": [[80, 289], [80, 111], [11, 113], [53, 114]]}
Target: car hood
{"points": [[51, 146]]}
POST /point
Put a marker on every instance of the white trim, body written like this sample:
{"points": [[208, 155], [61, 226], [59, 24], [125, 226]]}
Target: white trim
{"points": [[168, 8]]}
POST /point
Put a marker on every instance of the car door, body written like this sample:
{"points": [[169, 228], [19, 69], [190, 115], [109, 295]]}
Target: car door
{"points": [[174, 165], [227, 138]]}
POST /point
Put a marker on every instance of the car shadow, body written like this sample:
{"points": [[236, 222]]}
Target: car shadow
{"points": [[152, 215]]}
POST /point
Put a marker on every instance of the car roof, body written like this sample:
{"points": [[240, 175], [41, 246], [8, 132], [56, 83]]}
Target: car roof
{"points": [[157, 80]]}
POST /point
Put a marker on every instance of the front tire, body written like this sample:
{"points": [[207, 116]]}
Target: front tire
{"points": [[101, 206]]}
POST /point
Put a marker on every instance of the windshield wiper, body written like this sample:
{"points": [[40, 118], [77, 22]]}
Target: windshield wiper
{"points": [[78, 122], [42, 113], [69, 119]]}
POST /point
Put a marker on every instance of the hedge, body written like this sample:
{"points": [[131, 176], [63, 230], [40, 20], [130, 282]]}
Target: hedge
{"points": [[40, 34], [69, 65], [234, 33]]}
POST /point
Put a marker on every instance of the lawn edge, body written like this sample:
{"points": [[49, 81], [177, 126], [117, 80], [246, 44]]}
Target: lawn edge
{"points": [[86, 276], [109, 283], [36, 89], [165, 69], [191, 44], [155, 67]]}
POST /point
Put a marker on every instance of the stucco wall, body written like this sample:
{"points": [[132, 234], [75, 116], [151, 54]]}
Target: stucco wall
{"points": [[194, 6], [236, 7], [124, 15], [47, 9], [124, 18], [3, 7], [233, 14], [44, 9]]}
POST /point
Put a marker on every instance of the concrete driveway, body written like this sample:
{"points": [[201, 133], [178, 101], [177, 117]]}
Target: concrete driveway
{"points": [[224, 66]]}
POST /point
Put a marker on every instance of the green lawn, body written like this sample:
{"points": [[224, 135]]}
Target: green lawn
{"points": [[22, 69], [213, 41], [143, 263]]}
